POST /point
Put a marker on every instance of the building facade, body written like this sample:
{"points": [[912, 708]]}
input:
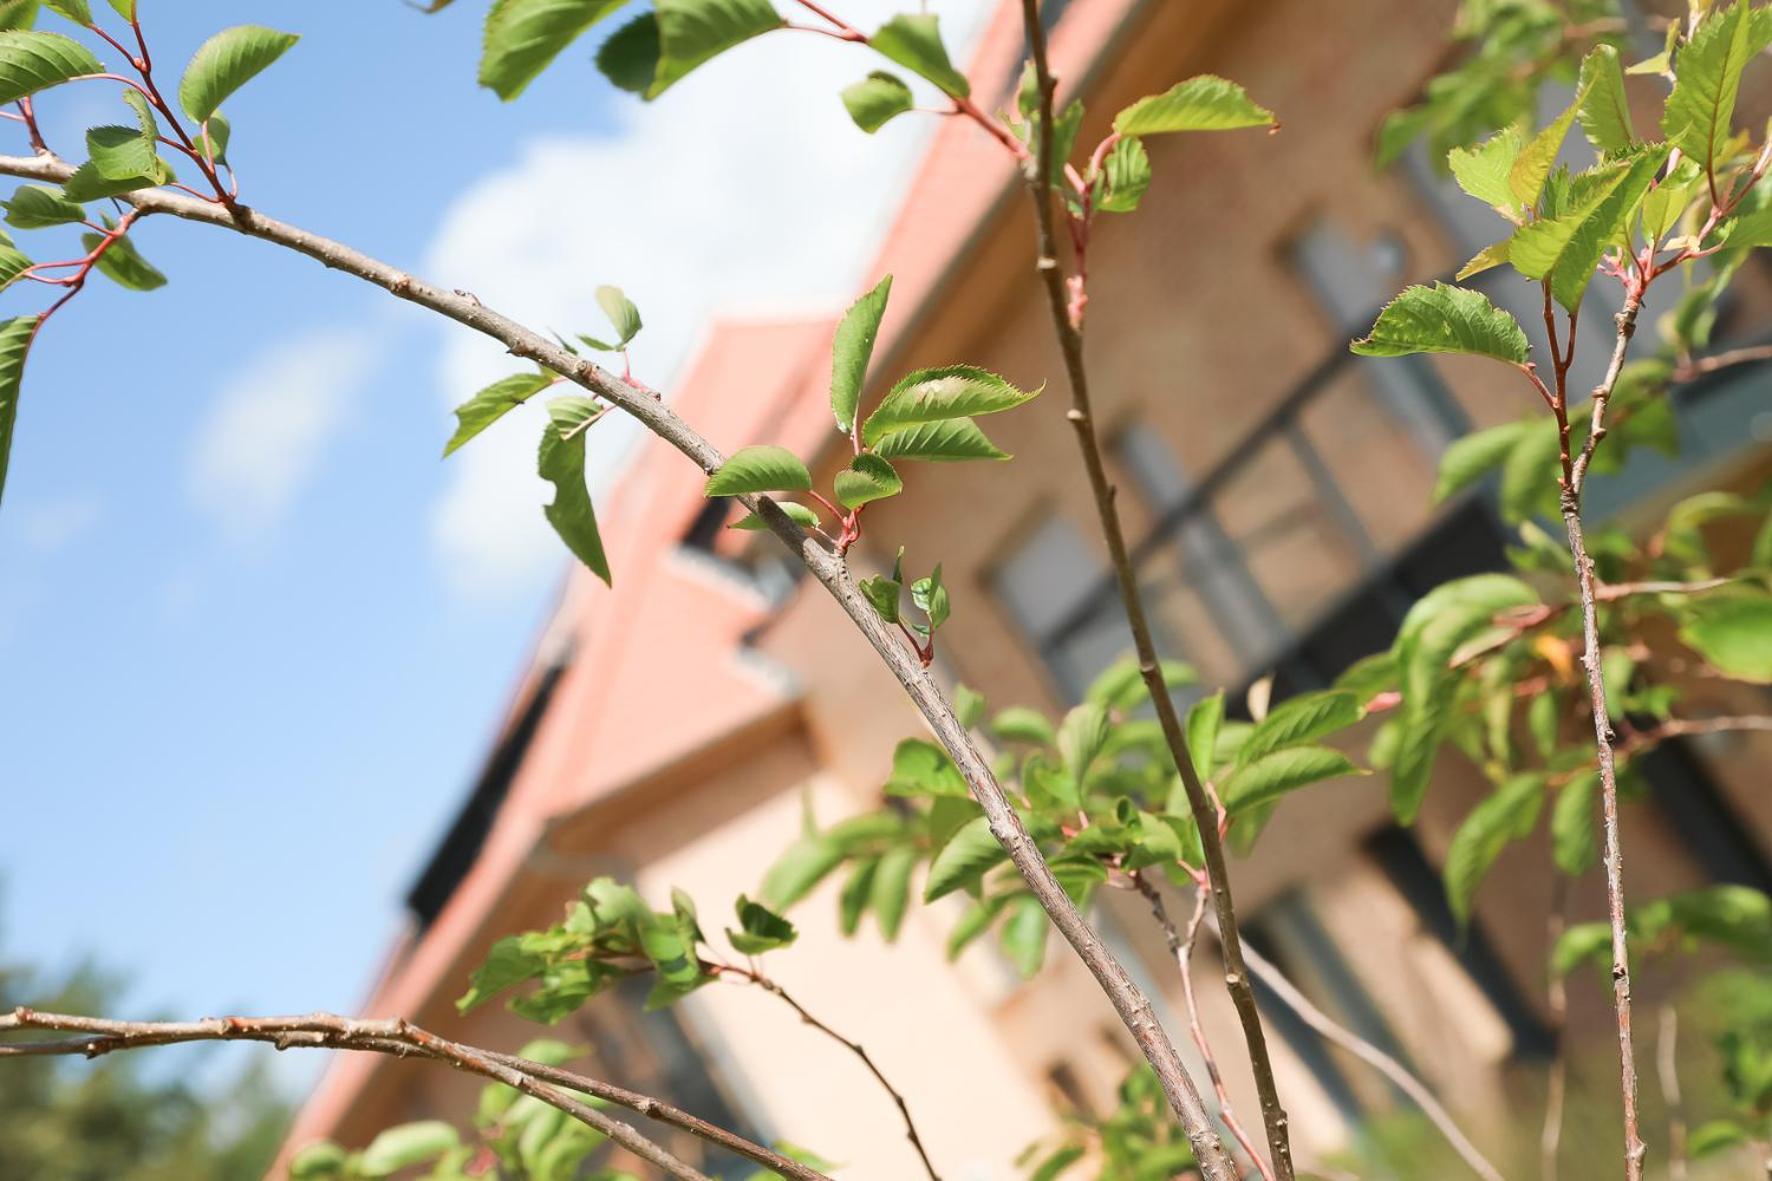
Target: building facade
{"points": [[672, 729]]}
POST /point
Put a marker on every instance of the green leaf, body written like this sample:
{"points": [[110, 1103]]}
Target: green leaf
{"points": [[407, 1144], [655, 51], [1443, 319], [218, 131], [799, 514], [562, 463], [931, 598], [1492, 255], [761, 929], [1506, 816], [225, 63], [1024, 935], [921, 768], [891, 892], [523, 37], [1203, 103], [913, 40], [1081, 737], [968, 706], [1265, 779], [1567, 248], [1051, 1167], [493, 403], [876, 99], [851, 348], [761, 468], [852, 903], [32, 61], [1582, 943], [623, 315], [1482, 171], [75, 10], [805, 863], [1127, 175], [1204, 718], [318, 1162], [35, 206], [123, 264], [940, 395], [1574, 835], [1718, 1135], [884, 593], [509, 962], [963, 860], [124, 153], [1298, 720], [1605, 108], [15, 341], [126, 8], [1018, 723], [1532, 167], [1733, 632], [953, 441], [1472, 457], [89, 184], [1707, 80], [867, 478]]}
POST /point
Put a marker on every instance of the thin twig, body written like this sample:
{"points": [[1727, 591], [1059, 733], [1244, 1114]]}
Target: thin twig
{"points": [[1070, 341], [1182, 948], [854, 1047], [1288, 994], [1667, 1065], [1556, 1091], [399, 1038], [1129, 1001]]}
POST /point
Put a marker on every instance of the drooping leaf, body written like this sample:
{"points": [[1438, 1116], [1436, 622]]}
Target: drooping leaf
{"points": [[1445, 319], [930, 597], [405, 1145], [877, 99], [123, 264], [913, 40], [31, 61], [523, 37], [1472, 457], [1126, 175], [624, 317], [851, 348], [1271, 776], [953, 441], [1532, 167], [212, 137], [760, 929], [493, 403], [33, 207], [657, 50], [1081, 737], [884, 594], [1700, 112], [1202, 103], [225, 63], [1204, 718], [1018, 723], [1024, 935], [963, 860], [1733, 632], [1482, 171], [760, 468], [803, 865], [891, 891], [15, 340], [75, 10], [562, 463], [1492, 255], [1605, 108], [1504, 817], [867, 478], [939, 395], [1574, 833]]}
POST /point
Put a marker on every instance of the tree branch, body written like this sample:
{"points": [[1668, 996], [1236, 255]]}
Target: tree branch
{"points": [[398, 1038], [1070, 340], [1288, 995], [1182, 948], [1129, 1002], [854, 1047]]}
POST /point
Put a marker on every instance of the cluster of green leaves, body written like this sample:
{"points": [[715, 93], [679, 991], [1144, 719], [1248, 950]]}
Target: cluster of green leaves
{"points": [[610, 934], [1138, 1140], [1743, 1001], [515, 1137], [1516, 47], [561, 461], [1097, 791], [928, 415], [121, 158], [1466, 650]]}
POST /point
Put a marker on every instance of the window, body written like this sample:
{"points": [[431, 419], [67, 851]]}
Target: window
{"points": [[1211, 566], [1050, 584]]}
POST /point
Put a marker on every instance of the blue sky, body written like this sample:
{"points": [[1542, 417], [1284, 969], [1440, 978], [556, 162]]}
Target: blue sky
{"points": [[254, 635]]}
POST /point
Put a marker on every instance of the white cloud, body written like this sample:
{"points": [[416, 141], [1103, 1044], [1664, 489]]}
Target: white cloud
{"points": [[745, 189], [50, 526], [266, 431]]}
